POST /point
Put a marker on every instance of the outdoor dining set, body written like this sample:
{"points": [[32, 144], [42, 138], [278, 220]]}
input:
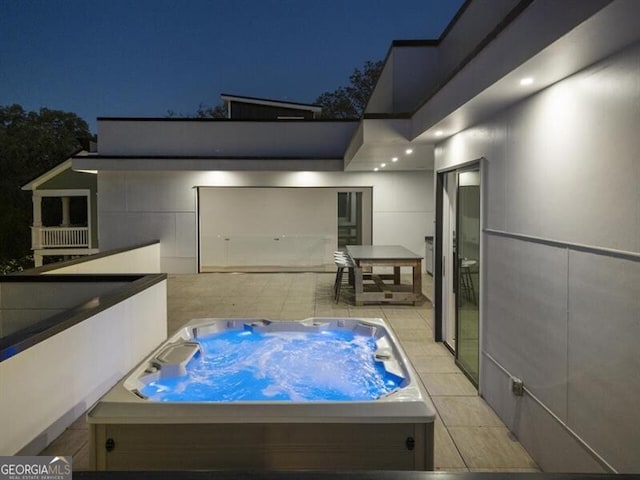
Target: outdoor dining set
{"points": [[374, 274]]}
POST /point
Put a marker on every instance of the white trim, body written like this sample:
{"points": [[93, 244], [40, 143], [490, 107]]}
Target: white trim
{"points": [[60, 237], [90, 236], [55, 171], [72, 192], [48, 175], [482, 277], [593, 249], [66, 251]]}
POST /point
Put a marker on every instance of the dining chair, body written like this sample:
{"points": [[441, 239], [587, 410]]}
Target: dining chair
{"points": [[342, 261]]}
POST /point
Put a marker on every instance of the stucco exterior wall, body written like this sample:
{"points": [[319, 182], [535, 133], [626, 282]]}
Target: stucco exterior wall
{"points": [[224, 138], [137, 207], [561, 240], [46, 387]]}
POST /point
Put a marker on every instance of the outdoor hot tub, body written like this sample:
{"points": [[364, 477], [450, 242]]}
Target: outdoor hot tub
{"points": [[321, 393]]}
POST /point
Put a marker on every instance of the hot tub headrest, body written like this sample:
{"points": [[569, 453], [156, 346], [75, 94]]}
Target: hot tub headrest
{"points": [[173, 359]]}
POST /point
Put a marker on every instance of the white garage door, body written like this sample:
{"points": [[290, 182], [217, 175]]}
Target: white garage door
{"points": [[264, 228]]}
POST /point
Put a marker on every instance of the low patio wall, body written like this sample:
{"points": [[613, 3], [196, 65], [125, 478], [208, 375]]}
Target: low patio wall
{"points": [[23, 304], [143, 258], [55, 370]]}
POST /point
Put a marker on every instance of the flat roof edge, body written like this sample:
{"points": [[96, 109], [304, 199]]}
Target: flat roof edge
{"points": [[223, 120]]}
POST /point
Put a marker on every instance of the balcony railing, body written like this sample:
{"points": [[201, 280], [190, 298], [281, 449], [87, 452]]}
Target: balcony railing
{"points": [[60, 237]]}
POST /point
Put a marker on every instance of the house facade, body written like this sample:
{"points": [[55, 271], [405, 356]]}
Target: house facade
{"points": [[68, 227], [511, 139], [214, 191]]}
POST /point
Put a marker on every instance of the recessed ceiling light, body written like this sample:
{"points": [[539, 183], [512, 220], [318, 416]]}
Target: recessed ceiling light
{"points": [[526, 81], [408, 151], [382, 165], [394, 159], [376, 169], [439, 133]]}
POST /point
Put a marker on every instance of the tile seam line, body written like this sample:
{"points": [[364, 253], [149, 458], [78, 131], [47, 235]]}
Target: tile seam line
{"points": [[566, 325], [583, 444], [455, 444]]}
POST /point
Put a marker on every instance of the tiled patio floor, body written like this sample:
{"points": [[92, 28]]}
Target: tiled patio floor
{"points": [[468, 434]]}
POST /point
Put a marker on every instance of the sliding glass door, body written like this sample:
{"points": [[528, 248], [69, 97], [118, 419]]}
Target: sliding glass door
{"points": [[467, 272], [457, 272]]}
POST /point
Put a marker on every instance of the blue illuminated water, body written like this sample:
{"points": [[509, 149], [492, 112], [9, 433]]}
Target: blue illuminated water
{"points": [[242, 365]]}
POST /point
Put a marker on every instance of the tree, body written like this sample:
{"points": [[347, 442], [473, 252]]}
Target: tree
{"points": [[350, 101], [343, 102], [219, 111], [30, 144], [204, 111]]}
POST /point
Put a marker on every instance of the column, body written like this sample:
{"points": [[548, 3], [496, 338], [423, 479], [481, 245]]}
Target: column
{"points": [[65, 212], [37, 209], [36, 238]]}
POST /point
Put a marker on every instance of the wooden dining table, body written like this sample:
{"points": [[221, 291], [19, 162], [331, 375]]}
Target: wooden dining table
{"points": [[393, 290]]}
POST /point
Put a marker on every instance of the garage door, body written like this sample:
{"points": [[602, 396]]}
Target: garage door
{"points": [[267, 228]]}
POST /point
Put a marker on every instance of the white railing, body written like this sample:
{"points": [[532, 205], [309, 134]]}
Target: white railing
{"points": [[60, 237]]}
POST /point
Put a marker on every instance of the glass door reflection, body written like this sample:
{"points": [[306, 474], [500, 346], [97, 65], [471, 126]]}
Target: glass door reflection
{"points": [[350, 219], [467, 274]]}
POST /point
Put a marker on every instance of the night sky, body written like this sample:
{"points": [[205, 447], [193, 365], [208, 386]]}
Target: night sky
{"points": [[145, 57]]}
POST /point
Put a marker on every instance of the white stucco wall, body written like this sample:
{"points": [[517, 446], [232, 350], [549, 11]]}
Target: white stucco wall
{"points": [[47, 386], [136, 207], [564, 314], [145, 259], [221, 138]]}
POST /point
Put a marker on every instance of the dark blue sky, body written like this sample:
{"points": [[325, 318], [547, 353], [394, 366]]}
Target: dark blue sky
{"points": [[145, 57]]}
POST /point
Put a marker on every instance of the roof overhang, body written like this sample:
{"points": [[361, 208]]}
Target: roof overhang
{"points": [[53, 172], [545, 40], [554, 40], [385, 141], [48, 175], [205, 163]]}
